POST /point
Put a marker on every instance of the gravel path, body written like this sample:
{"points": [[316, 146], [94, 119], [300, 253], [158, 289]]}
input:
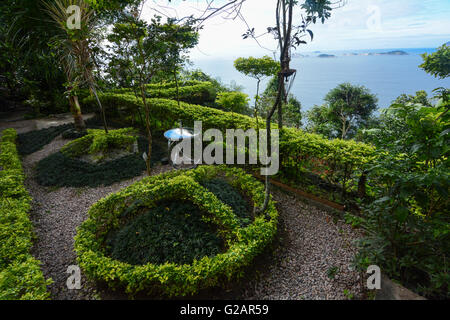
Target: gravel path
{"points": [[311, 245], [56, 214]]}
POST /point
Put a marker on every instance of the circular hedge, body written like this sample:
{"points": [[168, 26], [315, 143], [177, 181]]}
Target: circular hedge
{"points": [[242, 243]]}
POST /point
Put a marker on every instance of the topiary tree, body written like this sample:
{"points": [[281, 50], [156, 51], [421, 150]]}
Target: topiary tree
{"points": [[257, 68]]}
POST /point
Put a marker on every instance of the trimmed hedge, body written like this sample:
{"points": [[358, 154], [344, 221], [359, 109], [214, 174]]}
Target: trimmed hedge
{"points": [[20, 274], [243, 244], [164, 85], [336, 163], [194, 92], [97, 141]]}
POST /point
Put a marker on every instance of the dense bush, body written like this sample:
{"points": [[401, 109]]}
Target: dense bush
{"points": [[20, 274], [242, 244], [408, 225], [334, 162]]}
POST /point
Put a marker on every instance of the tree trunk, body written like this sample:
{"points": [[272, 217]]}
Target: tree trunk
{"points": [[362, 185], [76, 112], [256, 104], [102, 110], [149, 131]]}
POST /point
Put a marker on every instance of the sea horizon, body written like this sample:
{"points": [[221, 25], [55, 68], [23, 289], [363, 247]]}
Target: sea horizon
{"points": [[386, 76]]}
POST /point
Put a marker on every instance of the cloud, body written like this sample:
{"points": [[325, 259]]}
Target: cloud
{"points": [[361, 24]]}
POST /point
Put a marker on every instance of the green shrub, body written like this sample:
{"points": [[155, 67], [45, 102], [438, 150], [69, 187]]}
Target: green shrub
{"points": [[20, 274], [11, 177], [8, 153], [242, 244], [23, 280]]}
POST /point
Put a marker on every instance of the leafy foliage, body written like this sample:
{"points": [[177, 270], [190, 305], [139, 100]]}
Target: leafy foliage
{"points": [[233, 101], [291, 112], [170, 232], [421, 97], [408, 224], [438, 63]]}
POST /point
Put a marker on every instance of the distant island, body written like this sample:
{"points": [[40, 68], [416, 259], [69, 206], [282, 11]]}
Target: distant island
{"points": [[394, 53], [326, 56], [299, 55], [390, 53]]}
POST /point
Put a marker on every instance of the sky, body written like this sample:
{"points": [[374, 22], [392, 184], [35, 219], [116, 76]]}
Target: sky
{"points": [[360, 24]]}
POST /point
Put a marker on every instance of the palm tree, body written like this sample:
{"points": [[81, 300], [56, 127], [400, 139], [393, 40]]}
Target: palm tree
{"points": [[73, 47]]}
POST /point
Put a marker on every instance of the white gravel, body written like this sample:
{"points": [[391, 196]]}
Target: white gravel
{"points": [[311, 244]]}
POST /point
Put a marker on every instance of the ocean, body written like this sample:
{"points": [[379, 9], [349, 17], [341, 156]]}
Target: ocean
{"points": [[387, 76]]}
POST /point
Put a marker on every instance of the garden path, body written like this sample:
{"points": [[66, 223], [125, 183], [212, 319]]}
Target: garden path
{"points": [[310, 260]]}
